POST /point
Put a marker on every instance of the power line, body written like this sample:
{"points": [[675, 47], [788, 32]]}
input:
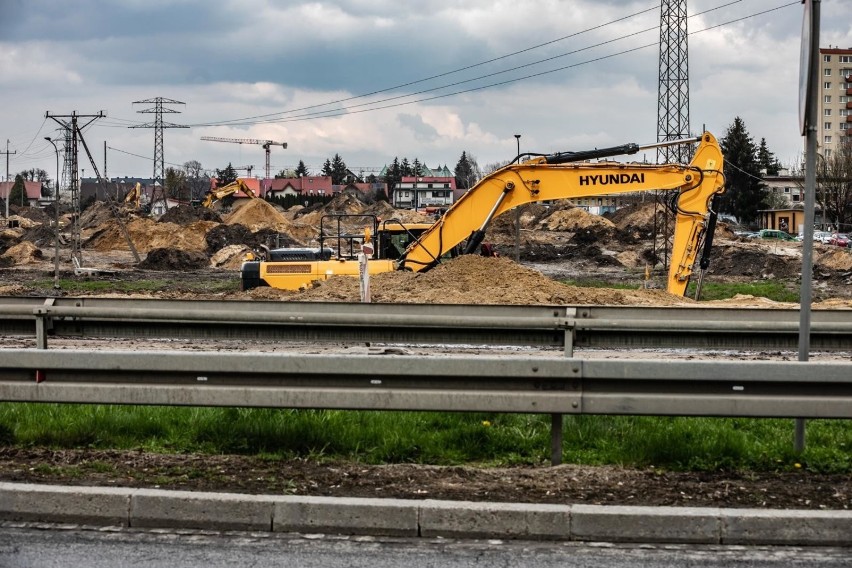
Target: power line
{"points": [[342, 112]]}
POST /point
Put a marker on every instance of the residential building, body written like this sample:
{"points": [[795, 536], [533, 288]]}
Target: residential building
{"points": [[31, 188], [786, 187], [420, 192], [835, 99], [303, 185]]}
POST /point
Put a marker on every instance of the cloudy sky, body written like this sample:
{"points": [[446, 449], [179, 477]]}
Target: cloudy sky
{"points": [[374, 79]]}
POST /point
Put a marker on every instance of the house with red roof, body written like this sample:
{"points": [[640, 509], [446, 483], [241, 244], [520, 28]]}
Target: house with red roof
{"points": [[32, 190], [299, 186]]}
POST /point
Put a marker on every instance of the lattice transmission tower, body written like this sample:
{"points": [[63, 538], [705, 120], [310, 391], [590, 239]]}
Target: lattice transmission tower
{"points": [[158, 125], [672, 108]]}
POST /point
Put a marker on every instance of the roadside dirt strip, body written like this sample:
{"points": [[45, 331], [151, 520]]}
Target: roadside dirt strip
{"points": [[151, 508]]}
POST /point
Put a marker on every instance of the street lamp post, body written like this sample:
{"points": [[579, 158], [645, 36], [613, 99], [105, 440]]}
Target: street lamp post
{"points": [[518, 210], [56, 219]]}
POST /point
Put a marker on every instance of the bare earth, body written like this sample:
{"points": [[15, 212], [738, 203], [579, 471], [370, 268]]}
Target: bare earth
{"points": [[556, 243]]}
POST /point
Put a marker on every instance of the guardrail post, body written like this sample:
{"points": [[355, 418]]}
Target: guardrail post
{"points": [[555, 439], [570, 313], [41, 328]]}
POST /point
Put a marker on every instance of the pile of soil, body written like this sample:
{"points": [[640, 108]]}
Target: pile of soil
{"points": [[575, 219], [229, 257], [147, 234], [733, 260], [186, 214], [258, 214], [96, 215], [174, 259], [835, 259], [40, 235], [222, 236], [24, 252], [472, 279]]}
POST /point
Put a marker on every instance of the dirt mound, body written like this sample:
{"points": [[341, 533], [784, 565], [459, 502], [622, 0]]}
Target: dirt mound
{"points": [[474, 279], [738, 261], [40, 235], [96, 215], [222, 236], [638, 217], [33, 214], [23, 253], [837, 259], [230, 257], [148, 235], [575, 219], [186, 214], [174, 259], [257, 214]]}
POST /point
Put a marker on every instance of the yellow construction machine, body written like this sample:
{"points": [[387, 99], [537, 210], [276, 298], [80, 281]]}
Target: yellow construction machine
{"points": [[134, 195], [215, 195], [541, 177]]}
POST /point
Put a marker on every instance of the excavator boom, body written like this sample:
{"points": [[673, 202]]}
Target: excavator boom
{"points": [[538, 180]]}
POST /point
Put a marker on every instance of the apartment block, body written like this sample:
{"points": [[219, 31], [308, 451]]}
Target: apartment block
{"points": [[835, 100]]}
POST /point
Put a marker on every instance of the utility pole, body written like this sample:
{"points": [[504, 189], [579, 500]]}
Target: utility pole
{"points": [[672, 103], [158, 125], [7, 152], [71, 124]]}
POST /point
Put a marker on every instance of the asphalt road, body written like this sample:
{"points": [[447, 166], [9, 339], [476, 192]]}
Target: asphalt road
{"points": [[30, 545]]}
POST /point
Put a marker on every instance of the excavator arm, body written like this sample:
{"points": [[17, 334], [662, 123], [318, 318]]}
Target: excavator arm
{"points": [[560, 176], [220, 192]]}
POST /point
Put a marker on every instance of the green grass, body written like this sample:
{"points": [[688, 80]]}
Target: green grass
{"points": [[601, 284], [696, 444], [775, 291]]}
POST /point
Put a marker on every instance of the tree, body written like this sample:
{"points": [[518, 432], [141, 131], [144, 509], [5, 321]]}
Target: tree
{"points": [[302, 169], [35, 174], [494, 166], [834, 186], [745, 193], [175, 183], [405, 168], [18, 194], [393, 175], [416, 168], [197, 181], [767, 160], [467, 171], [226, 176], [338, 170], [326, 168]]}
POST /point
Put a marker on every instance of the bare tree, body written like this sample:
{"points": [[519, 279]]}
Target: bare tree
{"points": [[196, 180], [834, 186]]}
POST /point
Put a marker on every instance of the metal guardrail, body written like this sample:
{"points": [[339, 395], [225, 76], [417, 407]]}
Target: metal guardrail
{"points": [[555, 385], [555, 326]]}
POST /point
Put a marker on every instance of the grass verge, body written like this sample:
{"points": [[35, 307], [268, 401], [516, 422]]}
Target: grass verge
{"points": [[693, 444]]}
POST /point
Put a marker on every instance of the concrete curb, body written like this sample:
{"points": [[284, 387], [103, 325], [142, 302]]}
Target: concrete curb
{"points": [[152, 508]]}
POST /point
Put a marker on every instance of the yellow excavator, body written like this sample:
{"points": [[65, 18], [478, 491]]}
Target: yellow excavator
{"points": [[215, 195], [134, 195], [564, 175]]}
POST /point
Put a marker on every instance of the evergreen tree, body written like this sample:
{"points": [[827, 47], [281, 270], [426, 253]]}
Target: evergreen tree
{"points": [[416, 168], [301, 169], [393, 175], [767, 160], [467, 172], [18, 194], [226, 176], [745, 193], [338, 170], [326, 169], [405, 168]]}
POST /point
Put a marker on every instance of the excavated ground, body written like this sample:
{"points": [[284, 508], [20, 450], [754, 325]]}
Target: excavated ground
{"points": [[556, 243]]}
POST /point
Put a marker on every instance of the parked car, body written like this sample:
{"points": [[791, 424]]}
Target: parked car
{"points": [[839, 240], [774, 234], [822, 237]]}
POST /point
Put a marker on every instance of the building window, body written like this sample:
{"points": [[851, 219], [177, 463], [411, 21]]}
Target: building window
{"points": [[844, 98], [429, 186], [826, 72], [826, 126], [446, 186], [797, 197], [827, 112], [826, 99], [846, 58], [826, 59], [786, 190], [827, 140], [826, 85], [844, 126]]}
